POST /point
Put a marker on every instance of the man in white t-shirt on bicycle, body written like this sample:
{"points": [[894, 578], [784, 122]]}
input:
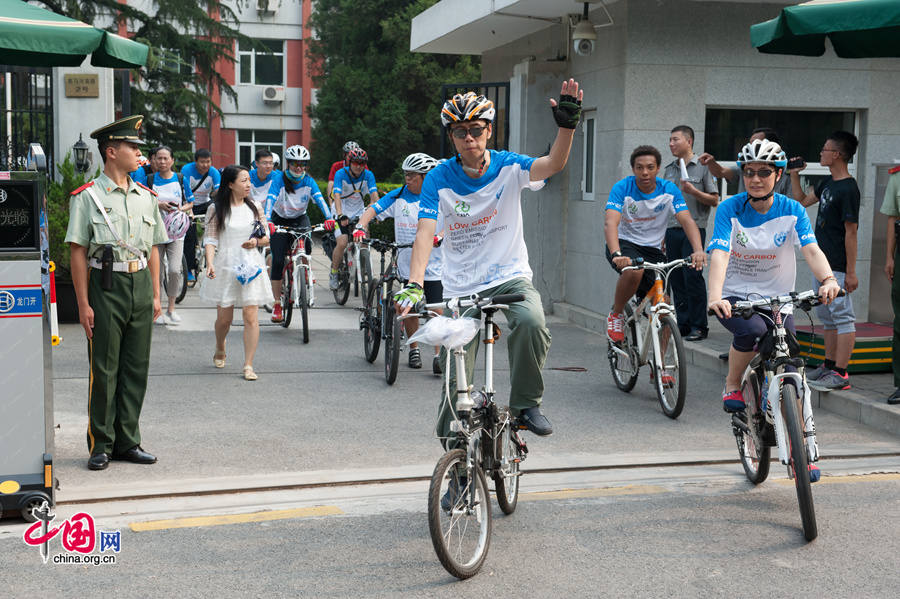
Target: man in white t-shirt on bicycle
{"points": [[637, 215], [479, 196]]}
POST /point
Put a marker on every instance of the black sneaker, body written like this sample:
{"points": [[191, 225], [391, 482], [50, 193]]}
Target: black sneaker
{"points": [[456, 484], [436, 366], [894, 399], [415, 358], [535, 421]]}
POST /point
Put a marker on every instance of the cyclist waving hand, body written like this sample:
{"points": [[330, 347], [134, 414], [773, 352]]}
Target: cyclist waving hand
{"points": [[478, 195]]}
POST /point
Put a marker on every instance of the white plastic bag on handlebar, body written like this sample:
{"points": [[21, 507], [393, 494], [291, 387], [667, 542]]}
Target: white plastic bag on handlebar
{"points": [[446, 331]]}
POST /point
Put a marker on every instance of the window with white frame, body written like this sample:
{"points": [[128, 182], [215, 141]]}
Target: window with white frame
{"points": [[802, 133], [588, 156], [251, 140], [261, 66]]}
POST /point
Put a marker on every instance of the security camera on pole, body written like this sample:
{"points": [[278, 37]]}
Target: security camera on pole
{"points": [[584, 32]]}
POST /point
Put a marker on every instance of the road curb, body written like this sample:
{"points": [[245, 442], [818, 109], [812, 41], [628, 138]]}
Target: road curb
{"points": [[848, 404]]}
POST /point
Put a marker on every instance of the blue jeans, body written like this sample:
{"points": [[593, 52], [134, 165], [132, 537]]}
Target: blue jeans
{"points": [[687, 284]]}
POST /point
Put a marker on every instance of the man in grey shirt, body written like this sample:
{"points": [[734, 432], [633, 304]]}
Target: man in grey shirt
{"points": [[700, 194], [782, 186]]}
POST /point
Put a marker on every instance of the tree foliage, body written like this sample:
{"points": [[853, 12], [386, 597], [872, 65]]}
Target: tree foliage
{"points": [[175, 90], [371, 88]]}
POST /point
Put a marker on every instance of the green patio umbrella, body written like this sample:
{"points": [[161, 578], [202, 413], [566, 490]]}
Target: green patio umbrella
{"points": [[35, 37], [856, 28]]}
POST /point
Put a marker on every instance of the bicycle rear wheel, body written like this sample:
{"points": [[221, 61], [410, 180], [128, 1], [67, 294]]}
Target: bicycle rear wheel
{"points": [[342, 293], [790, 407], [183, 283], [506, 473], [624, 368], [461, 535], [370, 323], [671, 376], [304, 305], [392, 344], [287, 288], [755, 454]]}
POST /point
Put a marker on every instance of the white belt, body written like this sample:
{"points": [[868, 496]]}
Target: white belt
{"points": [[127, 266]]}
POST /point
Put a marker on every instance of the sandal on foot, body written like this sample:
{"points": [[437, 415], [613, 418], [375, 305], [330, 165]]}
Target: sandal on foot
{"points": [[219, 359], [249, 375]]}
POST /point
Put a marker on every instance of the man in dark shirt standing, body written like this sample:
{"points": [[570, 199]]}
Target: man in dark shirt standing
{"points": [[836, 227]]}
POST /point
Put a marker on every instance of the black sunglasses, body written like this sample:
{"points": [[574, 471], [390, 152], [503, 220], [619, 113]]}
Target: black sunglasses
{"points": [[303, 163], [461, 132], [764, 173]]}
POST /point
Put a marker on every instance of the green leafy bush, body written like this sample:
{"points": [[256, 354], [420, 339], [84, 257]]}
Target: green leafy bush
{"points": [[58, 194]]}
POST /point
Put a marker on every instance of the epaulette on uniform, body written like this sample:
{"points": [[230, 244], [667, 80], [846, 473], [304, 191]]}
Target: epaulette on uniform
{"points": [[896, 169], [82, 188], [147, 188]]}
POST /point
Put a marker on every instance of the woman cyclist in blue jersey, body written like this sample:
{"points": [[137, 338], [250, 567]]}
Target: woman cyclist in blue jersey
{"points": [[752, 254], [289, 210]]}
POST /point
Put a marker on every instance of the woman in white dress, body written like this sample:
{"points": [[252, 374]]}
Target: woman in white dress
{"points": [[231, 250]]}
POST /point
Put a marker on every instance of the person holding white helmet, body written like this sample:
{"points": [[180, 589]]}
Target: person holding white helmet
{"points": [[289, 210], [479, 195], [752, 253], [402, 204]]}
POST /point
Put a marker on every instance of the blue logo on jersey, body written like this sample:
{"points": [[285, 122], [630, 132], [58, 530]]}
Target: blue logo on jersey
{"points": [[659, 208], [780, 239], [499, 193]]}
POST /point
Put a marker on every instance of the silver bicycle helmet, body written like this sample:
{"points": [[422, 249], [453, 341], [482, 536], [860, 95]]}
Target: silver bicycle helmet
{"points": [[296, 153], [418, 163], [349, 146], [762, 150]]}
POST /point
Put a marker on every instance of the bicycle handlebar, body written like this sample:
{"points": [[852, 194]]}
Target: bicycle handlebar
{"points": [[382, 245], [805, 300], [476, 301], [639, 264], [298, 231]]}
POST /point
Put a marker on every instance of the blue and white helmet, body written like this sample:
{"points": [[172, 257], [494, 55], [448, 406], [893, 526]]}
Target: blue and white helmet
{"points": [[762, 150]]}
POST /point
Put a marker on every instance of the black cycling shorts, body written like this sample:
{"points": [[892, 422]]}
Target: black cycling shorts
{"points": [[648, 253]]}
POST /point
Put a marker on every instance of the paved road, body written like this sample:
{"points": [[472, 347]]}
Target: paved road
{"points": [[320, 416]]}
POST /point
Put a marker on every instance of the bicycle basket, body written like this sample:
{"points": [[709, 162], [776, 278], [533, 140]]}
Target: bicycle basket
{"points": [[446, 331]]}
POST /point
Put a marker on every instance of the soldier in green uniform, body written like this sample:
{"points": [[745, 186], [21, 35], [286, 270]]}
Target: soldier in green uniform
{"points": [[114, 230]]}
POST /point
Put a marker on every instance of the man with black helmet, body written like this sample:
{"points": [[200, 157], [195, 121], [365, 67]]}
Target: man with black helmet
{"points": [[114, 232], [479, 196]]}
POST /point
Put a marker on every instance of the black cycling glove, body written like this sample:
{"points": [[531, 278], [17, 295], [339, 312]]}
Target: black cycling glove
{"points": [[567, 112]]}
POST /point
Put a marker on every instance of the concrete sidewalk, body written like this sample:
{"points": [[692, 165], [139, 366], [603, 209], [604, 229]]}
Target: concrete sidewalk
{"points": [[864, 402]]}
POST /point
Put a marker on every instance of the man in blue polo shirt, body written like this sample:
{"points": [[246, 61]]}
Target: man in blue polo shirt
{"points": [[203, 180]]}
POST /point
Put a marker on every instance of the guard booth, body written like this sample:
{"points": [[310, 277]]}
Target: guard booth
{"points": [[26, 392]]}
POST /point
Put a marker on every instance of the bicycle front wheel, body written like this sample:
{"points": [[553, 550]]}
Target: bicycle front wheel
{"points": [[755, 454], [365, 271], [287, 289], [304, 305], [183, 286], [392, 345], [506, 473], [624, 367], [370, 323], [790, 408], [459, 515], [342, 293], [670, 375]]}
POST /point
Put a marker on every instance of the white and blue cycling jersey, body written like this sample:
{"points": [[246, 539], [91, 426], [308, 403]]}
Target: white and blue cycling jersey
{"points": [[139, 176], [293, 204], [484, 244], [171, 189], [265, 193], [403, 206], [760, 246], [645, 216], [202, 187], [352, 189]]}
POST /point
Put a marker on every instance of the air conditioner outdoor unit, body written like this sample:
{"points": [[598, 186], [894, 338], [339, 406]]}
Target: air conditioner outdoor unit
{"points": [[267, 6], [273, 94]]}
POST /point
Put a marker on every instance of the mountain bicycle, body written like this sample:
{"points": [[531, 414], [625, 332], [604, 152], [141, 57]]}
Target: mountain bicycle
{"points": [[297, 280], [356, 267], [379, 319], [776, 414], [650, 324], [488, 444]]}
